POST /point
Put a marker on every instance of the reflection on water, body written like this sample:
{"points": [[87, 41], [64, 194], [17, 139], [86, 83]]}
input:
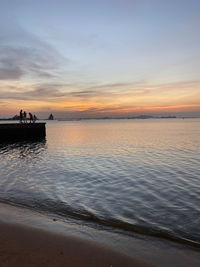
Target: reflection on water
{"points": [[19, 161], [22, 149], [136, 175]]}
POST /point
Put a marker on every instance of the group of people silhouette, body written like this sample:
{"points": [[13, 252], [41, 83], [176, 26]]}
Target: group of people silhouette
{"points": [[23, 117]]}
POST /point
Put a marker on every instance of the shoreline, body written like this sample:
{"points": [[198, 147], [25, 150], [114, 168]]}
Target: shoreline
{"points": [[26, 246], [31, 239], [25, 234]]}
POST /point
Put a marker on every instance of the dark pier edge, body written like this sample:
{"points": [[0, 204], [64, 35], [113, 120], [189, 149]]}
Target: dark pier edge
{"points": [[11, 131]]}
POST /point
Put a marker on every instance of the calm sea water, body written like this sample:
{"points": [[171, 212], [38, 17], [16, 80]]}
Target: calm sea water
{"points": [[132, 176]]}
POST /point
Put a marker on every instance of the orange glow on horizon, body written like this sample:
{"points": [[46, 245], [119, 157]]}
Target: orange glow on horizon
{"points": [[165, 98], [98, 108]]}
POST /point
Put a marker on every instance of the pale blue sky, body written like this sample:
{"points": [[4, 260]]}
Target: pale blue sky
{"points": [[79, 45]]}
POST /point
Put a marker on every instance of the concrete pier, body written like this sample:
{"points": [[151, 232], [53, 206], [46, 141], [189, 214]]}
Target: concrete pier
{"points": [[22, 130]]}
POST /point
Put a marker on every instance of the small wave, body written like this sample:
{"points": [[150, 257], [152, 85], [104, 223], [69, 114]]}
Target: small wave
{"points": [[66, 212]]}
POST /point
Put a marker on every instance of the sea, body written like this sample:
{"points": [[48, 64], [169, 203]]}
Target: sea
{"points": [[128, 176]]}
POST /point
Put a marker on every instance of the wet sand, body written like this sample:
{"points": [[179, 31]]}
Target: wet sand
{"points": [[26, 246]]}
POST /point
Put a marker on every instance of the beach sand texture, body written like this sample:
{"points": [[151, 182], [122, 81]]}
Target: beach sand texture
{"points": [[25, 246]]}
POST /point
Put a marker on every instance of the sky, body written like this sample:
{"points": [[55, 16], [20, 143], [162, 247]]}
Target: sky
{"points": [[99, 58]]}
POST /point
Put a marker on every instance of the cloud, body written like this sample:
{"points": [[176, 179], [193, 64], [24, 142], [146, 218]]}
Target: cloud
{"points": [[22, 53], [11, 73], [35, 94], [67, 100], [15, 62], [61, 91], [87, 94]]}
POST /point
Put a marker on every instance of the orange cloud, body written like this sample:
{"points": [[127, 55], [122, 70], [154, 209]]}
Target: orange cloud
{"points": [[109, 99]]}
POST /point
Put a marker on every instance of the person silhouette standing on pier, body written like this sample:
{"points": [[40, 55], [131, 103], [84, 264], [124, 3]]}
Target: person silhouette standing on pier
{"points": [[25, 119], [31, 117], [34, 118], [21, 115]]}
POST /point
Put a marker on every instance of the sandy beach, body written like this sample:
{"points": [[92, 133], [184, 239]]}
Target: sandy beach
{"points": [[26, 246], [28, 238]]}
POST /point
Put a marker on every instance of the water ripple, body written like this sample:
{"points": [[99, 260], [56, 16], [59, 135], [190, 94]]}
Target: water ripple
{"points": [[136, 176]]}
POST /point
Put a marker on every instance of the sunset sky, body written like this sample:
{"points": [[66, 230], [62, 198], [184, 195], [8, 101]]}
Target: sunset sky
{"points": [[97, 58]]}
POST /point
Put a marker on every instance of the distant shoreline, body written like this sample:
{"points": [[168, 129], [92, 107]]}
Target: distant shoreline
{"points": [[141, 117]]}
